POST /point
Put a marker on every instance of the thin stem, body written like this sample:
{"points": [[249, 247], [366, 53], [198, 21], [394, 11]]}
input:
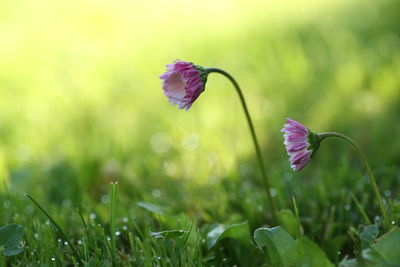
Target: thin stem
{"points": [[361, 209], [322, 136], [64, 236], [253, 135], [113, 191], [85, 225], [296, 213]]}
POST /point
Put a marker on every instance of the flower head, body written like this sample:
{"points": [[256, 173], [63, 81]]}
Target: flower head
{"points": [[183, 82], [300, 142]]}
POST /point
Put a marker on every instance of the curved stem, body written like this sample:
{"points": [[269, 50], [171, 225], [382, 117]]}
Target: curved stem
{"points": [[253, 135], [322, 136]]}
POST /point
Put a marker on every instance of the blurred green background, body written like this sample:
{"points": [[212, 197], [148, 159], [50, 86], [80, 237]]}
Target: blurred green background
{"points": [[81, 102]]}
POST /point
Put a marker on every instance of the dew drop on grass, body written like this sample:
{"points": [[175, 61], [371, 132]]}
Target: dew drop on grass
{"points": [[66, 203], [124, 227], [105, 199], [273, 192], [212, 159], [117, 233], [23, 153], [65, 243], [53, 258], [92, 216], [108, 238], [29, 210], [191, 142], [297, 191], [388, 193], [287, 176], [393, 222], [59, 240], [244, 170], [160, 143], [347, 207], [79, 242], [170, 168], [36, 235], [125, 219], [156, 193], [6, 204]]}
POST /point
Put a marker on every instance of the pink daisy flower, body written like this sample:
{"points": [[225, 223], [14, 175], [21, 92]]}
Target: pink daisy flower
{"points": [[183, 82], [300, 142]]}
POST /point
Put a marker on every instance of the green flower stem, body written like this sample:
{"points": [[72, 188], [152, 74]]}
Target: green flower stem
{"points": [[253, 135], [322, 136]]}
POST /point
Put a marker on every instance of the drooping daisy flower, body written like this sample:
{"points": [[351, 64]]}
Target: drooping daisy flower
{"points": [[183, 82], [300, 142]]}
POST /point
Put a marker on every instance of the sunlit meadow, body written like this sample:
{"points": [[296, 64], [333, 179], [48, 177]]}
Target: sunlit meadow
{"points": [[81, 106]]}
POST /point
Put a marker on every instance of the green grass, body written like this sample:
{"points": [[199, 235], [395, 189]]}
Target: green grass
{"points": [[81, 107]]}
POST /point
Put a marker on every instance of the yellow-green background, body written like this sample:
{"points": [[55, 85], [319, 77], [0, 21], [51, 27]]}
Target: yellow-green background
{"points": [[81, 105], [80, 93]]}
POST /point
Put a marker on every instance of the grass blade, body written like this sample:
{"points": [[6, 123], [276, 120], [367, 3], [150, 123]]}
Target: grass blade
{"points": [[113, 192], [361, 209], [65, 237]]}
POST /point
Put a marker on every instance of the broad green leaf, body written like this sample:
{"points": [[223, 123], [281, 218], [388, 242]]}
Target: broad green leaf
{"points": [[179, 221], [289, 222], [310, 254], [388, 246], [368, 235], [332, 246], [10, 239], [170, 234], [239, 231], [157, 209], [372, 256], [385, 251], [281, 247], [10, 234], [13, 249]]}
